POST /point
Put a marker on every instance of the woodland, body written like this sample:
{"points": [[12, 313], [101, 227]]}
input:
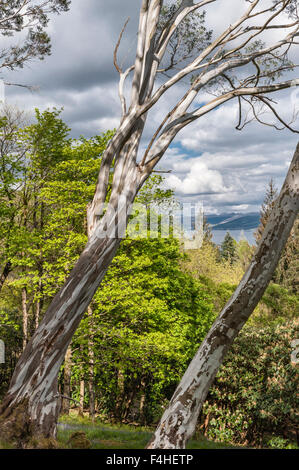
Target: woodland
{"points": [[135, 329]]}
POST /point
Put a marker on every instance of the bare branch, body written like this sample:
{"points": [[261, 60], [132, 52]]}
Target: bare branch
{"points": [[266, 102], [171, 130], [117, 46], [185, 9], [29, 87]]}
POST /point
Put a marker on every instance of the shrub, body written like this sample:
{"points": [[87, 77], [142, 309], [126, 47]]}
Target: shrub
{"points": [[254, 399]]}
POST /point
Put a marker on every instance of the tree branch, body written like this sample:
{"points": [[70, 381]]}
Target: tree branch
{"points": [[117, 46], [180, 122]]}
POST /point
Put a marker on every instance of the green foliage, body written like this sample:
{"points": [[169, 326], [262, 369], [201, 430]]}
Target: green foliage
{"points": [[277, 306], [254, 395], [189, 39], [107, 436], [288, 267], [155, 304], [266, 209], [11, 335], [32, 16], [148, 319]]}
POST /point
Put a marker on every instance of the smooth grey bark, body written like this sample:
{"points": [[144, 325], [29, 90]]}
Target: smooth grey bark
{"points": [[179, 420]]}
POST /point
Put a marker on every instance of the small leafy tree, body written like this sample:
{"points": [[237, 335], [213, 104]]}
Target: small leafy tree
{"points": [[288, 267], [267, 206], [286, 272], [228, 248], [12, 154], [148, 318]]}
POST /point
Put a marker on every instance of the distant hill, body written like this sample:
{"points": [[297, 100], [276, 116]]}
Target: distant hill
{"points": [[234, 221]]}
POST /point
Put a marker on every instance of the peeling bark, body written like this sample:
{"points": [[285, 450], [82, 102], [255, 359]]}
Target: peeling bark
{"points": [[179, 420]]}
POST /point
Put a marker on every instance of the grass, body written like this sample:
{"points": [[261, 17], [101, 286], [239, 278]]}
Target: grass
{"points": [[108, 436], [5, 445]]}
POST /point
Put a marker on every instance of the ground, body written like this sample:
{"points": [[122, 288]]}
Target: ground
{"points": [[76, 432]]}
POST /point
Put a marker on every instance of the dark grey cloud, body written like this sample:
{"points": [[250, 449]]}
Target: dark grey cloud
{"points": [[80, 77]]}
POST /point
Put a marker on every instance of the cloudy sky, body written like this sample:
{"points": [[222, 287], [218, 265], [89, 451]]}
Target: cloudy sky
{"points": [[210, 161]]}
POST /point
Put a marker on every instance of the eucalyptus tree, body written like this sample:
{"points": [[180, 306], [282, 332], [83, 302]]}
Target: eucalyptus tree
{"points": [[173, 46]]}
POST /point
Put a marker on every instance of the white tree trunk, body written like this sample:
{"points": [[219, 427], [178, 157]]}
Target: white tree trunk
{"points": [[82, 393], [24, 317], [179, 420]]}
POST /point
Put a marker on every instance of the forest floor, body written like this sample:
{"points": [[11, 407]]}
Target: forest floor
{"points": [[108, 436]]}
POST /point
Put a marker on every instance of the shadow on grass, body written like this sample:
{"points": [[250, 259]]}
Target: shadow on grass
{"points": [[108, 436]]}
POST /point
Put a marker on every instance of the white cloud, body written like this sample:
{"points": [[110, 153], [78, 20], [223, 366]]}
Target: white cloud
{"points": [[199, 180], [240, 208]]}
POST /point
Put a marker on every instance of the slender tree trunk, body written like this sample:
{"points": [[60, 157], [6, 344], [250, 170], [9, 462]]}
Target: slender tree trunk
{"points": [[91, 390], [142, 401], [37, 313], [24, 317], [179, 420], [39, 302], [81, 384], [67, 381], [33, 395], [120, 393], [82, 394]]}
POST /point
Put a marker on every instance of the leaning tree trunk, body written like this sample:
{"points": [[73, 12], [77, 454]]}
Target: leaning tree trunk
{"points": [[179, 420], [31, 405]]}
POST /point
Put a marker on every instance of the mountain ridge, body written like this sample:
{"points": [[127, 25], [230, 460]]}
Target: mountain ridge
{"points": [[234, 221]]}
